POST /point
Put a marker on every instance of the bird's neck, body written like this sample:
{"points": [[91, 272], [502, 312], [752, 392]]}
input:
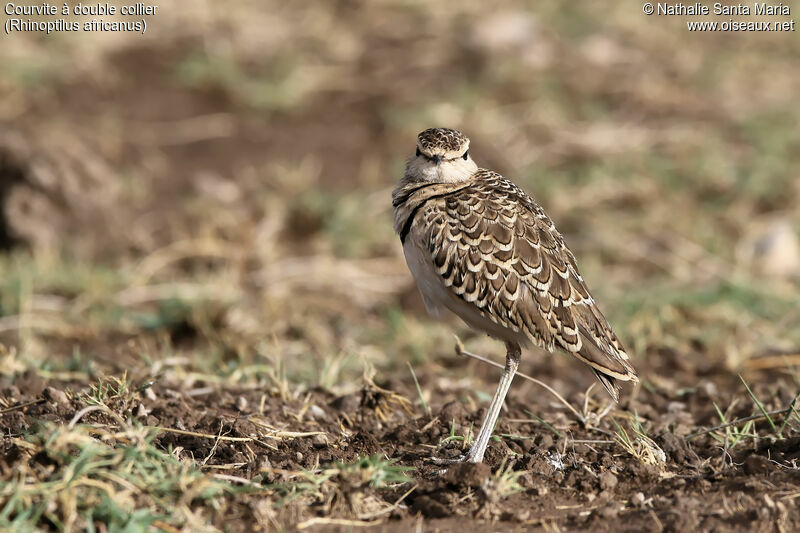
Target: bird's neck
{"points": [[421, 170]]}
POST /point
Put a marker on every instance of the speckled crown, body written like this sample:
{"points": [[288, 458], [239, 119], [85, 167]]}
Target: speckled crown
{"points": [[443, 142]]}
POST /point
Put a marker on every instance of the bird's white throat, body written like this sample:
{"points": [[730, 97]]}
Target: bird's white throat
{"points": [[454, 170]]}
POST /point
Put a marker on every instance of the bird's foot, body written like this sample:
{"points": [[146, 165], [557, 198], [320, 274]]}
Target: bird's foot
{"points": [[449, 461], [462, 458]]}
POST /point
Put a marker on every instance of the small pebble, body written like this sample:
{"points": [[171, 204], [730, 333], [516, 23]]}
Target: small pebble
{"points": [[522, 515], [317, 412], [242, 403], [608, 480], [709, 388], [51, 394], [546, 441], [606, 496], [676, 407], [320, 441]]}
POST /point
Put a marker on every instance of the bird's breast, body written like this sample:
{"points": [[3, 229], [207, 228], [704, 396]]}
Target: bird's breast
{"points": [[438, 297]]}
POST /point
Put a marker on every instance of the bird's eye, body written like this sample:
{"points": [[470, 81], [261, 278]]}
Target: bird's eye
{"points": [[466, 155], [418, 152]]}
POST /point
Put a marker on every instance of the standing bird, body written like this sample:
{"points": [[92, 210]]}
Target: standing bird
{"points": [[479, 246]]}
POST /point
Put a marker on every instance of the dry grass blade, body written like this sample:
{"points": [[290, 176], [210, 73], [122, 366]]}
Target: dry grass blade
{"points": [[773, 361], [239, 480], [181, 250], [336, 522], [21, 406], [91, 408], [425, 405], [461, 351], [641, 446], [787, 412], [200, 435], [390, 508], [280, 434]]}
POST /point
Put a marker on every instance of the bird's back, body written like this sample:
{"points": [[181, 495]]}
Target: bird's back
{"points": [[488, 252]]}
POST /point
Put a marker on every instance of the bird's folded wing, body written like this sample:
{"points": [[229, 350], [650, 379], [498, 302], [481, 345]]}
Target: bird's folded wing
{"points": [[496, 249]]}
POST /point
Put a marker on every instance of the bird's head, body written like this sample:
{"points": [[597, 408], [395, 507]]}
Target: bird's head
{"points": [[442, 155]]}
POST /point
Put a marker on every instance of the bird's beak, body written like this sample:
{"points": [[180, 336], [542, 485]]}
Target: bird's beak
{"points": [[437, 159]]}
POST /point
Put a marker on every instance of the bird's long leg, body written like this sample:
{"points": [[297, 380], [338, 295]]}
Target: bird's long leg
{"points": [[513, 353]]}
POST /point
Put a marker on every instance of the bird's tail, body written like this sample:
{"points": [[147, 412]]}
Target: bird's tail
{"points": [[609, 364], [609, 383]]}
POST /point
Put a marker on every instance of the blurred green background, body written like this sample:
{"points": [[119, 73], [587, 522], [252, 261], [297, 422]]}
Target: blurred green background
{"points": [[217, 190]]}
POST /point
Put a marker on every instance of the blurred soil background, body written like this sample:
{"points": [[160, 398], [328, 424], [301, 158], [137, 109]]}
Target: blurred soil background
{"points": [[207, 323]]}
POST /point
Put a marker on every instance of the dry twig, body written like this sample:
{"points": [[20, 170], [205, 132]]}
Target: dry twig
{"points": [[461, 351]]}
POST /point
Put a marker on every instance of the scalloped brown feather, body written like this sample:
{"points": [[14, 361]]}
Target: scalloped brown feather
{"points": [[494, 248]]}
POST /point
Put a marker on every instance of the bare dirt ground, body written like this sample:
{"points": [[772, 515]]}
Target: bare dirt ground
{"points": [[207, 323], [576, 472]]}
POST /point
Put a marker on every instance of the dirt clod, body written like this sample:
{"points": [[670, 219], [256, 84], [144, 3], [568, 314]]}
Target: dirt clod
{"points": [[757, 464], [467, 474], [431, 508], [59, 397], [608, 480]]}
